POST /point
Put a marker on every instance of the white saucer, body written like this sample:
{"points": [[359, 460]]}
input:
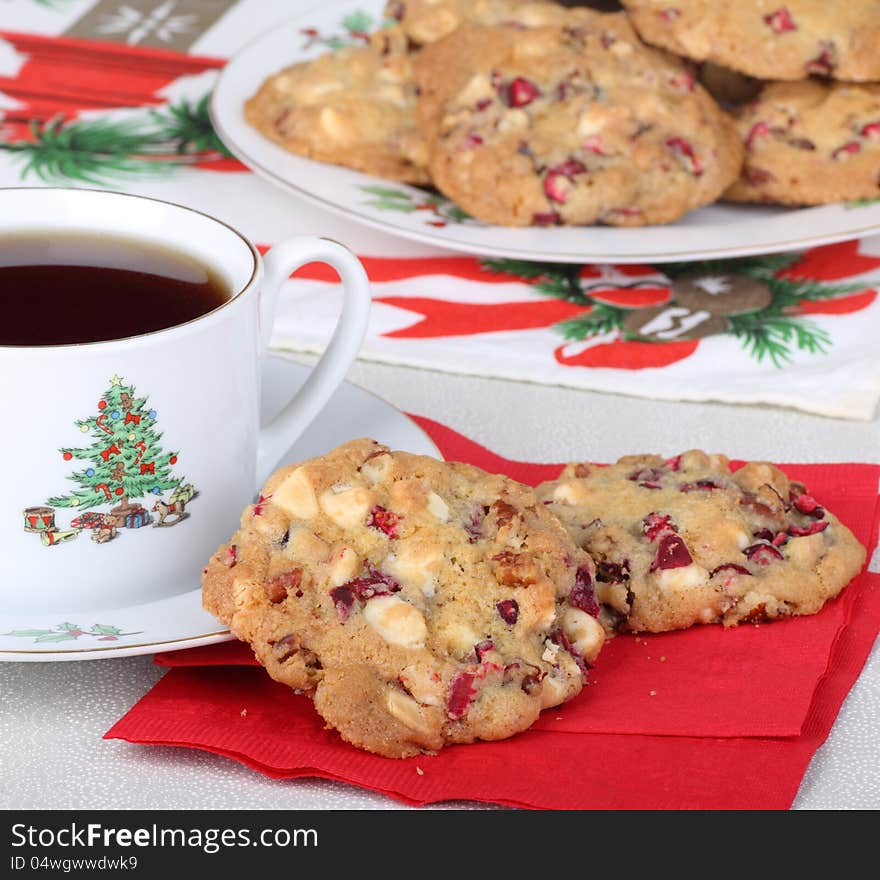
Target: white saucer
{"points": [[179, 621]]}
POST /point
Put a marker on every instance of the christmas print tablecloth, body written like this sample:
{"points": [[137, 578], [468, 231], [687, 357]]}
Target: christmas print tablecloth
{"points": [[114, 94]]}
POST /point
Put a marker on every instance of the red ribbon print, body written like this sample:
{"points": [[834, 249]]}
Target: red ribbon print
{"points": [[110, 450], [130, 418]]}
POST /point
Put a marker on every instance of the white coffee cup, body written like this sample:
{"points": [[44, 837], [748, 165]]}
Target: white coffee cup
{"points": [[74, 539]]}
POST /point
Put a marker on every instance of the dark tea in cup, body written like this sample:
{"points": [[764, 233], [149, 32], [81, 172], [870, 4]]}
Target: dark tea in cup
{"points": [[60, 289]]}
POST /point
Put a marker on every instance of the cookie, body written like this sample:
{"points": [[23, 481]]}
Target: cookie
{"points": [[809, 143], [684, 540], [426, 21], [768, 39], [575, 123], [352, 107], [419, 602]]}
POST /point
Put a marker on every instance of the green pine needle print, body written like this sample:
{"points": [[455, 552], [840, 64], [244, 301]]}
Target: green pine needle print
{"points": [[772, 337], [187, 128], [98, 151], [600, 319], [772, 334], [105, 151]]}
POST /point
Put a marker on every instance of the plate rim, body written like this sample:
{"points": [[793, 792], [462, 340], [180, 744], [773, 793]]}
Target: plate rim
{"points": [[26, 655], [220, 114]]}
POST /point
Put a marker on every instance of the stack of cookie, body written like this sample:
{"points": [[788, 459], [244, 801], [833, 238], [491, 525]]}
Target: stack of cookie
{"points": [[421, 602], [528, 113]]}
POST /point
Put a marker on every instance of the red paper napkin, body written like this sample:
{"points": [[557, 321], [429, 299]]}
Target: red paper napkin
{"points": [[733, 720]]}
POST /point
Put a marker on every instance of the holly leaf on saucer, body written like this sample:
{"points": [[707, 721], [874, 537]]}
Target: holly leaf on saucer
{"points": [[28, 633], [56, 637], [103, 629], [70, 626]]}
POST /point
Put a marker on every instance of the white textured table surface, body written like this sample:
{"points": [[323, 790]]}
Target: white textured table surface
{"points": [[52, 715]]}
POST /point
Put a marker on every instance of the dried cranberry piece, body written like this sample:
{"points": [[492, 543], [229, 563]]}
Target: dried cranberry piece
{"points": [[811, 529], [260, 504], [656, 525], [373, 583], [731, 567], [343, 599], [646, 475], [762, 554], [683, 81], [780, 21], [277, 587], [508, 610], [872, 130], [546, 218], [759, 129], [561, 639], [231, 556], [669, 14], [483, 648], [707, 484], [673, 463], [755, 176], [593, 144], [557, 182], [672, 552], [612, 572], [520, 92], [808, 505], [685, 150], [848, 149], [823, 64], [482, 105], [461, 695], [763, 534], [384, 520], [469, 141], [474, 525], [780, 539], [583, 593]]}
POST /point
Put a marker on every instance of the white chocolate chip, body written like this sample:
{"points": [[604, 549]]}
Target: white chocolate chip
{"points": [[348, 508], [584, 632], [296, 495], [621, 49], [343, 567], [685, 578], [572, 492], [513, 120], [377, 468], [412, 565], [553, 692], [396, 621], [551, 649], [423, 683], [477, 88], [408, 712], [335, 125], [438, 507], [458, 639]]}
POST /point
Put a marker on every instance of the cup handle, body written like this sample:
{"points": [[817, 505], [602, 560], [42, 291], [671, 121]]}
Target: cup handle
{"points": [[282, 260]]}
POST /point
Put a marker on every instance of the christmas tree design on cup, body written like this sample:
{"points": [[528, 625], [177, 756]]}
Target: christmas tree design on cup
{"points": [[125, 461]]}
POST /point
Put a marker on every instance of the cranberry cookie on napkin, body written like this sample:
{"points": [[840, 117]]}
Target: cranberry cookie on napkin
{"points": [[684, 540], [570, 123], [419, 602]]}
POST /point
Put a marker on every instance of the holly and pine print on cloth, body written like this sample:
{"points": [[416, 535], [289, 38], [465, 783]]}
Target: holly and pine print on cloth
{"points": [[793, 329], [124, 461]]}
